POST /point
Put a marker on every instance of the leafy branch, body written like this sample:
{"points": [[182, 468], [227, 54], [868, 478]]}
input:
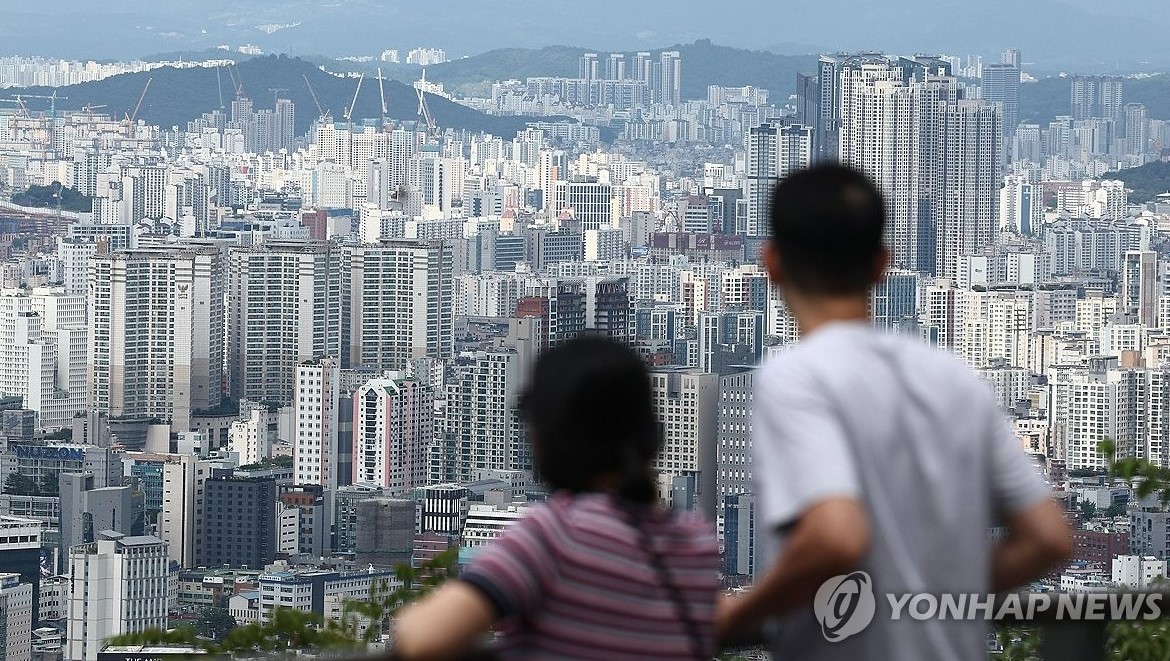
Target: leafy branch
{"points": [[1147, 478]]}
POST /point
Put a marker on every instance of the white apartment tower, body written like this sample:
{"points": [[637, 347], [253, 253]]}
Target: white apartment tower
{"points": [[117, 585], [482, 427], [284, 306], [156, 320], [402, 303], [393, 429], [972, 174], [44, 333], [315, 422], [773, 151]]}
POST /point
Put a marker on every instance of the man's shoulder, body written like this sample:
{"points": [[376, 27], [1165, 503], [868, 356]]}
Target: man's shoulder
{"points": [[840, 356]]}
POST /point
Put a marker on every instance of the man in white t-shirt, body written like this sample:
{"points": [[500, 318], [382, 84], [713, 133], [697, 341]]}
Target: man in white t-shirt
{"points": [[875, 454]]}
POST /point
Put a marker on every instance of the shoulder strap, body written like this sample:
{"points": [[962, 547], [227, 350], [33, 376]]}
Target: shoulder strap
{"points": [[680, 604]]}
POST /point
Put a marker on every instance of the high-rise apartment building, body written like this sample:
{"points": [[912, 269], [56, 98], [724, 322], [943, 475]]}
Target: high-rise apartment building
{"points": [[972, 175], [1140, 287], [1136, 128], [1021, 205], [393, 433], [670, 81], [1096, 97], [773, 151], [1001, 85], [588, 68], [44, 363], [401, 302], [156, 320], [482, 427], [935, 156], [881, 135], [284, 306], [117, 585], [316, 420]]}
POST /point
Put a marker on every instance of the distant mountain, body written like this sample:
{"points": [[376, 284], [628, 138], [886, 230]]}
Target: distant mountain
{"points": [[1048, 98], [176, 96], [1145, 182]]}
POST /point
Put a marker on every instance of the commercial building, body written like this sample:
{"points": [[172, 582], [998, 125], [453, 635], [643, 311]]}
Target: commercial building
{"points": [[239, 525], [118, 585]]}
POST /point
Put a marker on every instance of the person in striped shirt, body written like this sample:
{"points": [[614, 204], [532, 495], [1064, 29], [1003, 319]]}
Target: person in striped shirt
{"points": [[600, 571]]}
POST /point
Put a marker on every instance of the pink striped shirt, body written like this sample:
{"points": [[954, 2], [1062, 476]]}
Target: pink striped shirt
{"points": [[572, 580]]}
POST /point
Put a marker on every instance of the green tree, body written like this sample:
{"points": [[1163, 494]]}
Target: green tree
{"points": [[1087, 510], [215, 623], [375, 611], [50, 486], [1017, 644], [1116, 509], [20, 484], [1138, 640]]}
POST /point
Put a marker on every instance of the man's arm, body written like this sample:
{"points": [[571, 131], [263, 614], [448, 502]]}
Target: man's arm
{"points": [[830, 538], [1038, 538]]}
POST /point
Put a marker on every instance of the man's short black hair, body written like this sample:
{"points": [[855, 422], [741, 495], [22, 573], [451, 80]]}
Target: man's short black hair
{"points": [[827, 225]]}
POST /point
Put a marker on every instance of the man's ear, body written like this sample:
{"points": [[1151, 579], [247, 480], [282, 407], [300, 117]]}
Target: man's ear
{"points": [[881, 263], [771, 258]]}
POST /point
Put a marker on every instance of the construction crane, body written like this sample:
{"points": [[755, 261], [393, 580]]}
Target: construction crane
{"points": [[52, 101], [21, 109], [89, 107], [219, 87], [382, 96], [237, 81], [323, 115], [348, 116], [132, 117], [423, 111]]}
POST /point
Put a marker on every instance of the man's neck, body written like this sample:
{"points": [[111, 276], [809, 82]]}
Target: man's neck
{"points": [[814, 313]]}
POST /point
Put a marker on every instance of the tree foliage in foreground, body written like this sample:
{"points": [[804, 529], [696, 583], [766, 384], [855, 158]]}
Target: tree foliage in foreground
{"points": [[362, 620]]}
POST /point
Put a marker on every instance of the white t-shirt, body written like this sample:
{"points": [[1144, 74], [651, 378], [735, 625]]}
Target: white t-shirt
{"points": [[920, 440]]}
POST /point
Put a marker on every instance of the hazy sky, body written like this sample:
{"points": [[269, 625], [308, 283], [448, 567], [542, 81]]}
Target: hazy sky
{"points": [[1052, 33]]}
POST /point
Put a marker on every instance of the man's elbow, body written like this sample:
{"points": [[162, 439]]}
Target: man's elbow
{"points": [[843, 550], [1056, 544]]}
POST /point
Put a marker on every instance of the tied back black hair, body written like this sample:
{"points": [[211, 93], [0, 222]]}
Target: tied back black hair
{"points": [[590, 413]]}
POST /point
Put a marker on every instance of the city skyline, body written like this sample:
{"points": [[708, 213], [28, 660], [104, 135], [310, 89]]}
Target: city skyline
{"points": [[268, 352]]}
